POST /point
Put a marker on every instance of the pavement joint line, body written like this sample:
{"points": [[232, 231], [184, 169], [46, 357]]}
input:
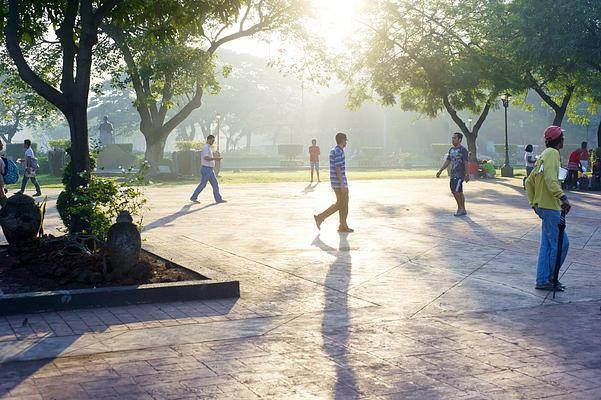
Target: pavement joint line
{"points": [[353, 287], [529, 231], [282, 324], [458, 314], [510, 286], [101, 341], [591, 236], [279, 270], [454, 285]]}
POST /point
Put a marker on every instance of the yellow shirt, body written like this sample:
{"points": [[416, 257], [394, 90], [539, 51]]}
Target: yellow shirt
{"points": [[543, 184]]}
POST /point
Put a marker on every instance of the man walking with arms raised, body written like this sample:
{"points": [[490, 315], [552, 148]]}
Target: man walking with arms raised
{"points": [[457, 157], [339, 186]]}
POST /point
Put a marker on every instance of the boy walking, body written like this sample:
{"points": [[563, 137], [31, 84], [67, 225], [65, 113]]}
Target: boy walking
{"points": [[314, 159], [339, 186], [206, 172], [457, 157], [548, 200], [30, 167]]}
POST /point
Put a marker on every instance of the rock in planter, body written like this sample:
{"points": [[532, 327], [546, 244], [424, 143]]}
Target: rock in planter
{"points": [[123, 245], [20, 219]]}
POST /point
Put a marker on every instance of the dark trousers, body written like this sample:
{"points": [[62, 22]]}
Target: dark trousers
{"points": [[33, 180], [341, 206], [572, 178]]}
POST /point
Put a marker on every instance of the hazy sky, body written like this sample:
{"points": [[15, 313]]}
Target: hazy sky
{"points": [[334, 20]]}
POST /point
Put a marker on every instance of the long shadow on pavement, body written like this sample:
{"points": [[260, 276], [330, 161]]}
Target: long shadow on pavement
{"points": [[185, 210], [336, 318]]}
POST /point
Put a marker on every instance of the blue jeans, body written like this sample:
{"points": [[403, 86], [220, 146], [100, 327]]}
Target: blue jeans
{"points": [[548, 245], [207, 175], [33, 180]]}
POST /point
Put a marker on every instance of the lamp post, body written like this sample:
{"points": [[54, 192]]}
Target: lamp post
{"points": [[218, 118], [217, 153], [506, 170]]}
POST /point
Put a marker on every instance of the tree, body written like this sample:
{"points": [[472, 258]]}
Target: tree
{"points": [[158, 81], [430, 58], [30, 28], [20, 106], [546, 45], [253, 99], [586, 15]]}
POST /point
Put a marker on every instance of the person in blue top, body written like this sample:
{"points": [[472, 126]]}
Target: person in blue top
{"points": [[339, 186], [457, 157]]}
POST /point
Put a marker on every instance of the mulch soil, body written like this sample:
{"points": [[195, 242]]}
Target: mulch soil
{"points": [[38, 266]]}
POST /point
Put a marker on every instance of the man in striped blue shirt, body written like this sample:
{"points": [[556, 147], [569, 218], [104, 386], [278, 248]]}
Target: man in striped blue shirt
{"points": [[339, 185]]}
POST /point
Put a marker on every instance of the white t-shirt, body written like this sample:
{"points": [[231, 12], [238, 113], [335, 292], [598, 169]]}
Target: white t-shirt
{"points": [[29, 153], [207, 152], [528, 154]]}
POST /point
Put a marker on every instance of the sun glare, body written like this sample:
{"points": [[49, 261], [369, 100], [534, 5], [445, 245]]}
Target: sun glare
{"points": [[335, 20]]}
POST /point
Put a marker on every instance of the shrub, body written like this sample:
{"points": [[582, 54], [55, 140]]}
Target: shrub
{"points": [[56, 144], [99, 202], [189, 145]]}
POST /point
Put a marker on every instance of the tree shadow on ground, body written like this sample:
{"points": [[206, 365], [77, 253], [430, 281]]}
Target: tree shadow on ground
{"points": [[43, 356]]}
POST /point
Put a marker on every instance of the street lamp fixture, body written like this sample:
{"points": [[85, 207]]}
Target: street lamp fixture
{"points": [[506, 170]]}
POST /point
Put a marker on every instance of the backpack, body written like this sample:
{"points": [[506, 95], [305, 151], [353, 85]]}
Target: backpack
{"points": [[11, 171]]}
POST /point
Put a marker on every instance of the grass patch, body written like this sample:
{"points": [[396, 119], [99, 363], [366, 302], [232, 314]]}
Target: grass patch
{"points": [[45, 181], [275, 176]]}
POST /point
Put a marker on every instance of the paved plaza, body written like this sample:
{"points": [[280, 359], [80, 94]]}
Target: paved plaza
{"points": [[416, 304]]}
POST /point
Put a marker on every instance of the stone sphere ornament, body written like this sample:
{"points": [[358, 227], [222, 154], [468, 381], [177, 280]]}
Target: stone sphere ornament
{"points": [[123, 245], [20, 219]]}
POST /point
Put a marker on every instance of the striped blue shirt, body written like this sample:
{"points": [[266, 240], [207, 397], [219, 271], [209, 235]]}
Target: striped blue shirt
{"points": [[337, 159]]}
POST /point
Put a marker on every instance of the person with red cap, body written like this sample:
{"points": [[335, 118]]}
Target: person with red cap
{"points": [[548, 200]]}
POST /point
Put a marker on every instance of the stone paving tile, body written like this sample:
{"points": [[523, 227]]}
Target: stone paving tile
{"points": [[415, 304]]}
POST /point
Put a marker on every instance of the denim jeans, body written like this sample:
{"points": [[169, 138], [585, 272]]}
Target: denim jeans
{"points": [[548, 245], [207, 175], [33, 180]]}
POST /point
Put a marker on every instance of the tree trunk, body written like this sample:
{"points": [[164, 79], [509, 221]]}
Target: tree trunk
{"points": [[248, 138], [559, 109], [471, 146], [155, 151], [599, 135], [80, 160], [192, 131], [470, 137], [559, 114]]}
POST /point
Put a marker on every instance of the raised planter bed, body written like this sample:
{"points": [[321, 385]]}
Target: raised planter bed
{"points": [[205, 284]]}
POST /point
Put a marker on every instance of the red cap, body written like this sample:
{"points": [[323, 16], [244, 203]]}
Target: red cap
{"points": [[553, 132]]}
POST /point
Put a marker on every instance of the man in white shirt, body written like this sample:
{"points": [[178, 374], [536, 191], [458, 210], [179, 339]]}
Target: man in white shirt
{"points": [[207, 161], [30, 166]]}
